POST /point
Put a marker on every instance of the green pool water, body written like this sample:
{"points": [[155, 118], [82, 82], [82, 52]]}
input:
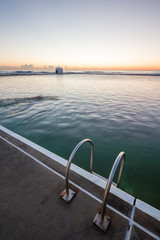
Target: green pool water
{"points": [[117, 112]]}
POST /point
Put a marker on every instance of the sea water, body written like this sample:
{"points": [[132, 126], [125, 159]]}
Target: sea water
{"points": [[117, 112]]}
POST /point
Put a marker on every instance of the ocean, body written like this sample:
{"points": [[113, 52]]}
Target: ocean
{"points": [[118, 111]]}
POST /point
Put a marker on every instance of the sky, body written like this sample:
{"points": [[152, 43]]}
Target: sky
{"points": [[81, 34]]}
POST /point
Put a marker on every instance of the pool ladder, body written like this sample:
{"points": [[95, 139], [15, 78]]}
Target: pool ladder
{"points": [[101, 219]]}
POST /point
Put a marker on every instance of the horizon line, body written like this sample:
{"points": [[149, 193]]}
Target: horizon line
{"points": [[31, 67]]}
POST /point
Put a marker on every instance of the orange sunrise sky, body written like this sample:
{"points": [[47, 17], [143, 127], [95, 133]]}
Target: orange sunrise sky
{"points": [[101, 34]]}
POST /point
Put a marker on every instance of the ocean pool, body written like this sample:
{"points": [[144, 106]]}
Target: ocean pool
{"points": [[117, 112]]}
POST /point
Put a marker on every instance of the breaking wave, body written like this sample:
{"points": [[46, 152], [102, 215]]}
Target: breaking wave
{"points": [[28, 73], [23, 73], [134, 73]]}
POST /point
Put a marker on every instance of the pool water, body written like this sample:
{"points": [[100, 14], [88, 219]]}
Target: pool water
{"points": [[117, 112]]}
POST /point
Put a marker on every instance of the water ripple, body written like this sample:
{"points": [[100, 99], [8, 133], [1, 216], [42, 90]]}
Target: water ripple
{"points": [[119, 113], [12, 101]]}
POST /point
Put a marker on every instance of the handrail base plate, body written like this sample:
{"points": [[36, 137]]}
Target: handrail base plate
{"points": [[102, 225], [67, 198]]}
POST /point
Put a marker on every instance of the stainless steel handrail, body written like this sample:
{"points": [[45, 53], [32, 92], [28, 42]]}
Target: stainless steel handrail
{"points": [[99, 218], [111, 176], [72, 156], [66, 191]]}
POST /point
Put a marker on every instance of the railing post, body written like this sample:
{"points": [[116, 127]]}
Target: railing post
{"points": [[101, 219], [68, 194]]}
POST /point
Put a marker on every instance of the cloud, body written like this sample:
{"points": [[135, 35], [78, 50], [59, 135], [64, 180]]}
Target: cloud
{"points": [[50, 67], [27, 67]]}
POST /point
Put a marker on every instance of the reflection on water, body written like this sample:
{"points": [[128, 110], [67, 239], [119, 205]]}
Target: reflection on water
{"points": [[118, 113]]}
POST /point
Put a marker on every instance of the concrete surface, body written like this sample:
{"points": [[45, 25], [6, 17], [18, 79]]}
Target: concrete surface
{"points": [[30, 206]]}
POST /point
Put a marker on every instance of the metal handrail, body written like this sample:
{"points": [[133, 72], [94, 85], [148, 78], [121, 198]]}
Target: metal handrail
{"points": [[111, 176], [101, 214], [72, 156], [66, 191]]}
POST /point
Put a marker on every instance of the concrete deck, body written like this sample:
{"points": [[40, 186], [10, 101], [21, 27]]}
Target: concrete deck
{"points": [[31, 182]]}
